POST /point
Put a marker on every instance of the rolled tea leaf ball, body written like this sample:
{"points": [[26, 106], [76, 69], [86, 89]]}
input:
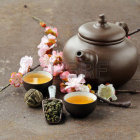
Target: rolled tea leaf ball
{"points": [[33, 98]]}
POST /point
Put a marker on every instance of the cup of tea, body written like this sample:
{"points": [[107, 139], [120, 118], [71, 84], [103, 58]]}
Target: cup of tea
{"points": [[80, 104], [39, 80]]}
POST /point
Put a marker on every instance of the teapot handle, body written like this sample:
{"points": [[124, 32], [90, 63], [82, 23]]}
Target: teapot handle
{"points": [[124, 26]]}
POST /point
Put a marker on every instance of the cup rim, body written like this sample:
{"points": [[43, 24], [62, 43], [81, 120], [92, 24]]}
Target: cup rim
{"points": [[80, 93], [43, 72]]}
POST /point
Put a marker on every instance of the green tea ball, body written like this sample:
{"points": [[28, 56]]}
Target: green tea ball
{"points": [[33, 98]]}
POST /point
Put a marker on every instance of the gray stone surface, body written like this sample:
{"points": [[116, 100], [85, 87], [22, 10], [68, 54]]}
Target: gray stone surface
{"points": [[19, 36]]}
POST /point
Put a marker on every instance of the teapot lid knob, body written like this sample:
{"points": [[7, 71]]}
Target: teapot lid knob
{"points": [[102, 19]]}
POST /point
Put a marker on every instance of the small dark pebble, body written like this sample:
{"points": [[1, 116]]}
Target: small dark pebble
{"points": [[24, 117], [25, 6]]}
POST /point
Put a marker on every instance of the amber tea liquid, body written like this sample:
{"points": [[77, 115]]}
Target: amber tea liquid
{"points": [[80, 99], [36, 78]]}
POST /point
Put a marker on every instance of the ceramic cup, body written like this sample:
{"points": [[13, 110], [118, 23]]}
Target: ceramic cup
{"points": [[41, 87], [80, 110]]}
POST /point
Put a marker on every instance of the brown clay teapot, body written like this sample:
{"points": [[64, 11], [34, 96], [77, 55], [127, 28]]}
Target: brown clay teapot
{"points": [[101, 51]]}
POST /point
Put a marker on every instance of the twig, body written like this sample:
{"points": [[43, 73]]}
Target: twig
{"points": [[128, 91], [136, 31], [6, 86], [37, 19], [125, 104], [32, 69]]}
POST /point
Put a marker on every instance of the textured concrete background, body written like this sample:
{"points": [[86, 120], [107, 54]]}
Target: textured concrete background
{"points": [[19, 36]]}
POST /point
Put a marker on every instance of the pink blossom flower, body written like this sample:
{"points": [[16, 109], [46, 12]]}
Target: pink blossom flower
{"points": [[64, 75], [75, 81], [70, 89], [47, 41], [56, 53], [80, 87], [51, 37], [51, 30], [23, 70], [45, 50], [16, 79], [54, 69], [83, 88], [26, 60], [51, 40], [25, 64], [44, 61], [56, 57], [62, 88], [42, 44], [46, 45]]}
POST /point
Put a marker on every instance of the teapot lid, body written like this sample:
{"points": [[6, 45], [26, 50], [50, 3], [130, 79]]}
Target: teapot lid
{"points": [[101, 31]]}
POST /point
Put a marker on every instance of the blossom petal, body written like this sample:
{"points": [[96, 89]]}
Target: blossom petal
{"points": [[44, 61], [16, 79], [81, 78], [55, 70], [25, 63], [64, 75]]}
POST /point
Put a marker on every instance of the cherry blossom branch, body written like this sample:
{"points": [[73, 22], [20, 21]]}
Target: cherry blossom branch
{"points": [[27, 61]]}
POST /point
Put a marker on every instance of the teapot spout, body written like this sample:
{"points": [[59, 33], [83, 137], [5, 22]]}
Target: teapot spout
{"points": [[80, 56], [87, 56]]}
